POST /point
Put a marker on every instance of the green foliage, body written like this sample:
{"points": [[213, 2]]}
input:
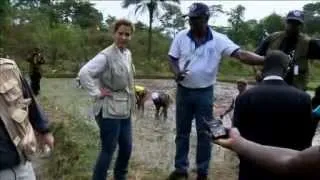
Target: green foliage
{"points": [[74, 151], [72, 32], [153, 9], [273, 23]]}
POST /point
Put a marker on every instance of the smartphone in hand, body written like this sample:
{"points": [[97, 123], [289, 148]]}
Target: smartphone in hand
{"points": [[215, 129]]}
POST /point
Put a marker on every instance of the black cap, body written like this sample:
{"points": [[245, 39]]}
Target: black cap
{"points": [[198, 9], [296, 15]]}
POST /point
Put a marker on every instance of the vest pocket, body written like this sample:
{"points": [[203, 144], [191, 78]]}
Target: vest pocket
{"points": [[24, 131], [118, 104]]}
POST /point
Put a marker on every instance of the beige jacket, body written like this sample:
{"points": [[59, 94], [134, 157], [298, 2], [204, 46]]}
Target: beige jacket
{"points": [[14, 109], [111, 69]]}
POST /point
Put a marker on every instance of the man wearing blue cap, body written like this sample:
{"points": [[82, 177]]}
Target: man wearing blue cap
{"points": [[195, 56], [297, 45]]}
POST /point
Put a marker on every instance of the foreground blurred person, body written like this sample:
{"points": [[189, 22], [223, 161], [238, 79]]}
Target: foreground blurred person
{"points": [[273, 113], [114, 100], [20, 115], [282, 161]]}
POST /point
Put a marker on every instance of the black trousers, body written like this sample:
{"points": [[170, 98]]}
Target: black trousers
{"points": [[35, 78]]}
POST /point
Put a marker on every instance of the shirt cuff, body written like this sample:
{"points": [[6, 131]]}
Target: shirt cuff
{"points": [[95, 93], [231, 50]]}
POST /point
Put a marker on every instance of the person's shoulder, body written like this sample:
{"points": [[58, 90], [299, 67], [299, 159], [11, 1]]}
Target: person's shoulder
{"points": [[7, 63], [182, 34], [305, 36], [220, 38], [295, 92], [217, 34], [274, 35], [107, 50], [128, 51], [301, 93]]}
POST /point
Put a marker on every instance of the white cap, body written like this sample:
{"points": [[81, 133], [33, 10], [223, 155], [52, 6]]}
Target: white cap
{"points": [[155, 95]]}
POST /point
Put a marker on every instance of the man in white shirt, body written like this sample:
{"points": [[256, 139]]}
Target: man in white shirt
{"points": [[195, 56]]}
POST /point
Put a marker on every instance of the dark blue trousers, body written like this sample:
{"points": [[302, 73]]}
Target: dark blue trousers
{"points": [[113, 132], [193, 103]]}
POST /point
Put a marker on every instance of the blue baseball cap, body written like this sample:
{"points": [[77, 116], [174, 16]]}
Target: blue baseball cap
{"points": [[296, 15], [198, 9]]}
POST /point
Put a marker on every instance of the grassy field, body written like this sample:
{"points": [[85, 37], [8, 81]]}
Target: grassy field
{"points": [[77, 140]]}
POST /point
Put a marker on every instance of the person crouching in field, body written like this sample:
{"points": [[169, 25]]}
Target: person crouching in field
{"points": [[142, 94], [242, 87], [114, 100], [161, 100]]}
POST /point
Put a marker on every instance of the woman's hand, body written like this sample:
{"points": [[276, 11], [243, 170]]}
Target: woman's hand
{"points": [[105, 92]]}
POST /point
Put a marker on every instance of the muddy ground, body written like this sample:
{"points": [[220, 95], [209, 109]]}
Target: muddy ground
{"points": [[153, 139]]}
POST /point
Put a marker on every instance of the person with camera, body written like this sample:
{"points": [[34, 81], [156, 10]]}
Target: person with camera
{"points": [[297, 45], [273, 113], [36, 60]]}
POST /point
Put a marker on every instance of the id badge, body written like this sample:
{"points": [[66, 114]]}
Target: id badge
{"points": [[296, 70]]}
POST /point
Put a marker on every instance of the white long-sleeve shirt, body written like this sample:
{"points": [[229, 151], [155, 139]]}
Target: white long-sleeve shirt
{"points": [[89, 73]]}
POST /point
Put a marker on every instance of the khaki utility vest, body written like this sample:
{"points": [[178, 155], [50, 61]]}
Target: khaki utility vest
{"points": [[14, 110], [300, 57], [117, 77]]}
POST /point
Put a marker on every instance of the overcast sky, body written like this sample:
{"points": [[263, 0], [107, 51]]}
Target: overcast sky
{"points": [[254, 9]]}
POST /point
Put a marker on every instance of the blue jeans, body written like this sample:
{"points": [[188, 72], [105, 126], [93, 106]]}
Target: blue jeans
{"points": [[113, 132], [193, 103]]}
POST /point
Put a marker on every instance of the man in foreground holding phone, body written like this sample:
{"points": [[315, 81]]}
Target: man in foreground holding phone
{"points": [[273, 113], [284, 161]]}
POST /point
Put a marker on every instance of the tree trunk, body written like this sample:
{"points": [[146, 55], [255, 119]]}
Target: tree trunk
{"points": [[151, 10]]}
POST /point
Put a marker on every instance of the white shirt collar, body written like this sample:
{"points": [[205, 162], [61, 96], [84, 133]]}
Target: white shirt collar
{"points": [[273, 77]]}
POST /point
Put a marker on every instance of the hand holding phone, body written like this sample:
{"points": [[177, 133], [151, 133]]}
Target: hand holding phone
{"points": [[215, 129]]}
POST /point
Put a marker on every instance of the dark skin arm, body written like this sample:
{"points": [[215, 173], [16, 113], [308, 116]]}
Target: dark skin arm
{"points": [[278, 160], [248, 57]]}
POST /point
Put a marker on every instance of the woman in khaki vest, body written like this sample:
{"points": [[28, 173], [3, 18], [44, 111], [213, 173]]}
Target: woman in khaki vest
{"points": [[109, 79]]}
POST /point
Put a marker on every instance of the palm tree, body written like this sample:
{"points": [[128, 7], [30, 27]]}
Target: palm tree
{"points": [[153, 7]]}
